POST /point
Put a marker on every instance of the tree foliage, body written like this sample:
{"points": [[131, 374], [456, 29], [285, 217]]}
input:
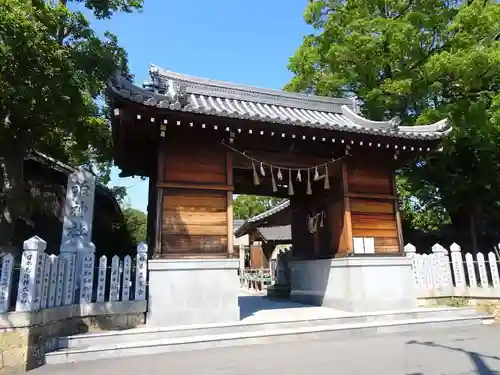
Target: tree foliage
{"points": [[423, 61], [246, 206], [53, 71], [137, 224]]}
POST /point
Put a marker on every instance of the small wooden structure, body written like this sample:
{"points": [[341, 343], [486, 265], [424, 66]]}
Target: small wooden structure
{"points": [[269, 229], [200, 141]]}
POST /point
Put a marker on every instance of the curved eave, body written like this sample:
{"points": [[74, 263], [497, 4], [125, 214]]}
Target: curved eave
{"points": [[181, 99], [242, 230], [256, 220]]}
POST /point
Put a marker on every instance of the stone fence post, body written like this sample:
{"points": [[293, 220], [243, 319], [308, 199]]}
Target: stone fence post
{"points": [[71, 271], [6, 282], [30, 279], [87, 273], [141, 271], [458, 266]]}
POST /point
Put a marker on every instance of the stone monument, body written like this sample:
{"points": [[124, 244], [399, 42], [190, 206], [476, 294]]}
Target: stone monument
{"points": [[76, 239]]}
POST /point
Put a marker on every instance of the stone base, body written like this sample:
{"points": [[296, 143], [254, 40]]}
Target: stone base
{"points": [[25, 337], [192, 291], [353, 284], [278, 291]]}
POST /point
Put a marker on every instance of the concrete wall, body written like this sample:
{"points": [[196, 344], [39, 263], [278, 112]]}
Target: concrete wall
{"points": [[354, 284], [192, 291], [25, 337]]}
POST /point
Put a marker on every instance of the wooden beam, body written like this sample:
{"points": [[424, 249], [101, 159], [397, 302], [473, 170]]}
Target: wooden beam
{"points": [[371, 196], [177, 255], [281, 159], [195, 185]]}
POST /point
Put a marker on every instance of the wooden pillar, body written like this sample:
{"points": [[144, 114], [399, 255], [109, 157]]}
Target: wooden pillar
{"points": [[229, 181], [347, 230], [399, 225], [160, 170]]}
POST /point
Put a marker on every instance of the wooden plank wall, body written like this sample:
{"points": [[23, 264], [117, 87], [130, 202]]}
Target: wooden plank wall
{"points": [[375, 218], [197, 197], [195, 164], [373, 205], [194, 222]]}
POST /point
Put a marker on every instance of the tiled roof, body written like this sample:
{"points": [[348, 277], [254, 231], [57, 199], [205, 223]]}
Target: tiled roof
{"points": [[244, 227], [184, 93], [280, 206], [279, 233], [237, 223]]}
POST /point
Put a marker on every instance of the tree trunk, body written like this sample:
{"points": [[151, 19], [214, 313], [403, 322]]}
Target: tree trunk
{"points": [[12, 191], [472, 231]]}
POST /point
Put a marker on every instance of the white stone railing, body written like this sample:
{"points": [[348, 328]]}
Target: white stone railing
{"points": [[255, 279], [446, 274], [73, 277]]}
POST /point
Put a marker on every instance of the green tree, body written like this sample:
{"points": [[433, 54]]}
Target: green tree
{"points": [[137, 224], [120, 193], [53, 71], [246, 206], [423, 61]]}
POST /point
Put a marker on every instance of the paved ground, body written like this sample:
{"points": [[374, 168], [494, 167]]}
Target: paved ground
{"points": [[452, 352], [257, 308]]}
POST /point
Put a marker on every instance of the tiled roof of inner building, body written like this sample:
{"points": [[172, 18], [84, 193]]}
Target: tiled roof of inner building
{"points": [[242, 230], [184, 93], [278, 233]]}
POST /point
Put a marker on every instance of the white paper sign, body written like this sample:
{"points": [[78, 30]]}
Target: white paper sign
{"points": [[369, 244], [359, 245]]}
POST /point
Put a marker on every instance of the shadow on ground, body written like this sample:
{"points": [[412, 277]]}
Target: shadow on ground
{"points": [[249, 305], [478, 359]]}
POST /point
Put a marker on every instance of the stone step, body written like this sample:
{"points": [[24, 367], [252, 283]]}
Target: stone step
{"points": [[163, 333], [199, 340]]}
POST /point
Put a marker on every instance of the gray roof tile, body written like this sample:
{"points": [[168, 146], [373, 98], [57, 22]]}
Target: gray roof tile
{"points": [[242, 229], [183, 93], [279, 233]]}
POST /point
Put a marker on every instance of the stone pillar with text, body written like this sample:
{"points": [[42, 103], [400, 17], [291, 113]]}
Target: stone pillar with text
{"points": [[76, 240]]}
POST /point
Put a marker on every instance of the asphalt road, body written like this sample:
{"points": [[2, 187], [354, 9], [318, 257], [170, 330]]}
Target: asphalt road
{"points": [[471, 350]]}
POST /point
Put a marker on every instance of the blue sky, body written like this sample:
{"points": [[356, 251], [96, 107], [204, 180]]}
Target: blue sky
{"points": [[240, 41]]}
